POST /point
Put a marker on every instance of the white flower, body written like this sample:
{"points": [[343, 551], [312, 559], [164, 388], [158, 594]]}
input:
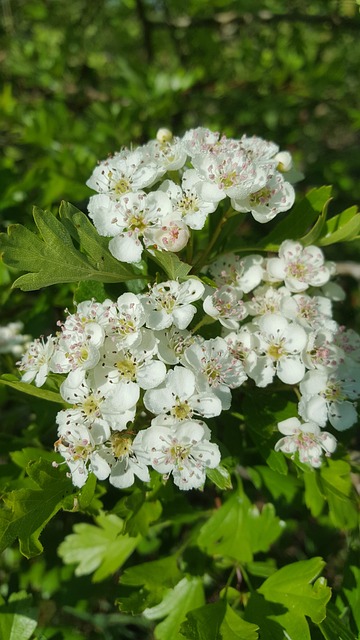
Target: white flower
{"points": [[279, 345], [226, 305], [265, 203], [172, 235], [130, 365], [243, 273], [126, 459], [241, 346], [215, 368], [181, 449], [306, 438], [312, 312], [186, 202], [116, 407], [80, 447], [36, 362], [167, 154], [233, 175], [172, 343], [267, 299], [178, 396], [329, 397], [321, 353], [299, 267], [129, 220], [169, 303], [124, 172]]}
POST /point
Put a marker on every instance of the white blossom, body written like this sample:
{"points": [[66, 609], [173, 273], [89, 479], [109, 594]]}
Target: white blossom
{"points": [[170, 303], [299, 267], [36, 361], [182, 450], [305, 438], [265, 203], [226, 305]]}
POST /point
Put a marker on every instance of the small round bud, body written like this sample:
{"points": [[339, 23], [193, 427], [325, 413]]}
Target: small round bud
{"points": [[164, 135]]}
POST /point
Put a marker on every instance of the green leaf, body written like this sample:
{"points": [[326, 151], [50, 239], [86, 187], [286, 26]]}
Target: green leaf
{"points": [[238, 530], [297, 222], [217, 622], [314, 495], [290, 597], [316, 231], [338, 489], [333, 629], [220, 477], [262, 411], [18, 618], [341, 228], [51, 258], [274, 482], [187, 595], [170, 263], [94, 246], [102, 548], [27, 511], [39, 392], [88, 290], [351, 587]]}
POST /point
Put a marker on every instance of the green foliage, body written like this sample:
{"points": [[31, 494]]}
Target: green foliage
{"points": [[17, 617], [26, 511], [102, 548], [217, 622]]}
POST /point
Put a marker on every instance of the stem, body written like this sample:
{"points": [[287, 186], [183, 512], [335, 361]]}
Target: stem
{"points": [[204, 321], [203, 257]]}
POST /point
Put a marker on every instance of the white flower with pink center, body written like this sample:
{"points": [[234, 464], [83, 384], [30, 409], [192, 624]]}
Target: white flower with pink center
{"points": [[321, 353], [170, 303], [167, 154], [305, 438], [299, 267], [172, 343], [215, 368], [266, 299], [36, 362], [129, 221], [226, 305], [126, 459], [173, 235], [182, 450], [243, 273], [186, 201], [279, 345], [312, 312], [232, 175], [265, 203], [81, 447], [241, 346]]}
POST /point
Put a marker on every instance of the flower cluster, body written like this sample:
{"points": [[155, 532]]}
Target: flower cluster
{"points": [[139, 377], [138, 206]]}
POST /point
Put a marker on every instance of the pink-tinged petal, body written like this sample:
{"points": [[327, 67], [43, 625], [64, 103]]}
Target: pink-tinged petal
{"points": [[126, 247], [290, 250]]}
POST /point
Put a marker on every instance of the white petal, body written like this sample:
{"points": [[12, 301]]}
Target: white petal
{"points": [[126, 247]]}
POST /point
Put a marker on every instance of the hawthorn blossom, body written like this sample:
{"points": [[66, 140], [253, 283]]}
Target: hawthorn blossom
{"points": [[80, 447], [182, 450], [243, 273], [115, 406], [330, 397], [126, 459], [37, 361], [186, 202], [265, 203], [178, 396], [129, 220], [215, 368], [299, 267], [267, 299], [306, 438], [279, 345], [226, 305], [124, 172], [172, 343], [312, 312], [170, 303]]}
